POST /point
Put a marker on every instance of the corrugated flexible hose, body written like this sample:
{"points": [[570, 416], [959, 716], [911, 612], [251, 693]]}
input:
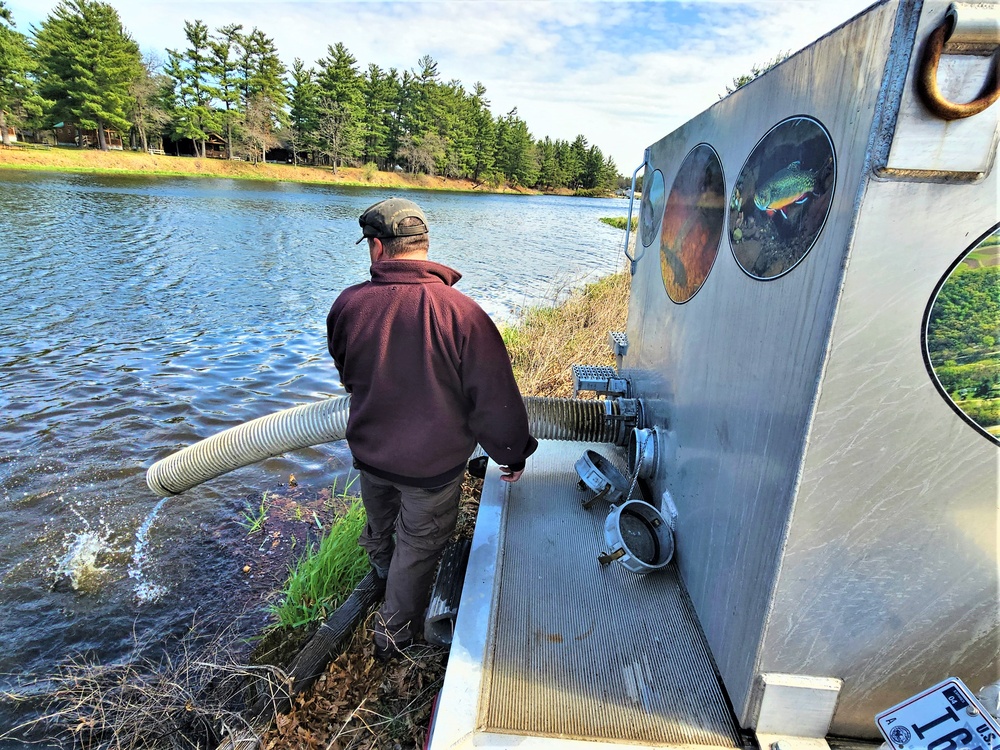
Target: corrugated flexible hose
{"points": [[326, 422]]}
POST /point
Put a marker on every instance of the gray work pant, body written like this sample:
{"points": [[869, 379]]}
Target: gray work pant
{"points": [[423, 521]]}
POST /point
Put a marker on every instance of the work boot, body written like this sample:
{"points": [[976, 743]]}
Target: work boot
{"points": [[390, 649]]}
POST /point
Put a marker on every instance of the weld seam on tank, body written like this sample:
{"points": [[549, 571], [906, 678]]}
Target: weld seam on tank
{"points": [[326, 422]]}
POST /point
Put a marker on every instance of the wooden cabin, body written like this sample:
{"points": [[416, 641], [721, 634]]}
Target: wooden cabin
{"points": [[71, 135]]}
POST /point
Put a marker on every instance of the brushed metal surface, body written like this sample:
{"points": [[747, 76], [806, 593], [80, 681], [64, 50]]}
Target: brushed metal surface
{"points": [[584, 651], [734, 372], [835, 516], [889, 577]]}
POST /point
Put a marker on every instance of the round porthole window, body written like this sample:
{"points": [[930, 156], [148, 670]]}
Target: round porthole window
{"points": [[692, 223], [651, 206], [962, 336], [782, 198]]}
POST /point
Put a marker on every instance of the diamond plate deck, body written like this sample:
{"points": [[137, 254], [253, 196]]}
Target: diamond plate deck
{"points": [[584, 652]]}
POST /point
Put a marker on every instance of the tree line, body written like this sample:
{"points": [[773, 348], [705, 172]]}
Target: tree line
{"points": [[963, 325], [228, 93], [963, 341]]}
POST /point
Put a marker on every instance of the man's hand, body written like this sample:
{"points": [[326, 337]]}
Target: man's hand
{"points": [[510, 476]]}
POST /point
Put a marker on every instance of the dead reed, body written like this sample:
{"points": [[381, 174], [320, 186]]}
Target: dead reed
{"points": [[545, 341], [190, 696]]}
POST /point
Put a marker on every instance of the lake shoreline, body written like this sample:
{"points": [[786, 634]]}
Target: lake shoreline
{"points": [[130, 163]]}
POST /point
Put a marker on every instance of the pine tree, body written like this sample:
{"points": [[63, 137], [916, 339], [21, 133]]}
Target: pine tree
{"points": [[378, 95], [424, 109], [515, 151], [548, 166], [484, 135], [576, 162], [263, 73], [454, 124], [340, 85], [264, 98], [87, 61], [564, 163], [399, 129], [303, 95], [225, 69], [17, 90], [592, 165], [194, 88]]}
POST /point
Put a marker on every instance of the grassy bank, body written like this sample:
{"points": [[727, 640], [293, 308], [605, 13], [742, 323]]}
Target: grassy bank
{"points": [[91, 161], [618, 222], [544, 341]]}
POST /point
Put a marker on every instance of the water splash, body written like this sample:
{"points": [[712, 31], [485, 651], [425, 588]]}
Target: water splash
{"points": [[79, 565], [145, 591]]}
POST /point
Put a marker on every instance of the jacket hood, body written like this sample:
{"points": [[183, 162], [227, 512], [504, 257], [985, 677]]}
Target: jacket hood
{"points": [[406, 271]]}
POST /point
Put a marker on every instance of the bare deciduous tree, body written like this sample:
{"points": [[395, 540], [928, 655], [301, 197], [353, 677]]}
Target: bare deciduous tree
{"points": [[147, 113], [334, 133], [258, 132]]}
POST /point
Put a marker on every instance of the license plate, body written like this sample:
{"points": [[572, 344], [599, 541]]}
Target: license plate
{"points": [[944, 717]]}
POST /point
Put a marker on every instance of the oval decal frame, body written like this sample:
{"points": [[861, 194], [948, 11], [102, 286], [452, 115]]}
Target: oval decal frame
{"points": [[977, 381], [693, 221], [782, 198], [651, 207]]}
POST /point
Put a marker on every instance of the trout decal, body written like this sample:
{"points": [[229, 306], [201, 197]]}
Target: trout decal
{"points": [[785, 187]]}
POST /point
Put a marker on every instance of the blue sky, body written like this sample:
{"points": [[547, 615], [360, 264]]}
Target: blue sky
{"points": [[622, 73]]}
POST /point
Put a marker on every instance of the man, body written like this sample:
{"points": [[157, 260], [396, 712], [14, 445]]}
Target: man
{"points": [[429, 377]]}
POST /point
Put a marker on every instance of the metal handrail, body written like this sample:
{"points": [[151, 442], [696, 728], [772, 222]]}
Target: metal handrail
{"points": [[628, 220]]}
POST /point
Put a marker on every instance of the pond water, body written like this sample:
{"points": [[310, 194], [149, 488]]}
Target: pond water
{"points": [[139, 315]]}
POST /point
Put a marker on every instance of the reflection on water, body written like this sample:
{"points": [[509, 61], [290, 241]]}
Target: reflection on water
{"points": [[139, 315]]}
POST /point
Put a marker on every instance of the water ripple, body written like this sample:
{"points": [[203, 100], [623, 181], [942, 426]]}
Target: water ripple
{"points": [[140, 315]]}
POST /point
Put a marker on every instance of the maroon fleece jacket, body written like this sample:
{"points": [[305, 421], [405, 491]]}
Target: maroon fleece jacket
{"points": [[428, 374]]}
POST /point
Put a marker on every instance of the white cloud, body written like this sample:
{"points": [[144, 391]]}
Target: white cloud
{"points": [[622, 73]]}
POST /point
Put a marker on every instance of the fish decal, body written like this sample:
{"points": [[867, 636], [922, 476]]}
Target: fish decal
{"points": [[785, 187]]}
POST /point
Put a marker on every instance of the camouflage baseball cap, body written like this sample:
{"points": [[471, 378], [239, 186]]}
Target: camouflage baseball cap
{"points": [[382, 220]]}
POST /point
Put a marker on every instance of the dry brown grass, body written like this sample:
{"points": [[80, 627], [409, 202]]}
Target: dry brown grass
{"points": [[190, 697], [70, 159], [545, 341]]}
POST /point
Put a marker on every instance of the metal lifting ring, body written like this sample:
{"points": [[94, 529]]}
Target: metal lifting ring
{"points": [[927, 85]]}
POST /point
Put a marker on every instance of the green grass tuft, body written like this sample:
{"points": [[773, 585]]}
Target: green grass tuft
{"points": [[618, 222], [326, 574], [254, 517]]}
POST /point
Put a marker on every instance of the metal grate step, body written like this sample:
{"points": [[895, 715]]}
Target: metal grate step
{"points": [[585, 652], [602, 380]]}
